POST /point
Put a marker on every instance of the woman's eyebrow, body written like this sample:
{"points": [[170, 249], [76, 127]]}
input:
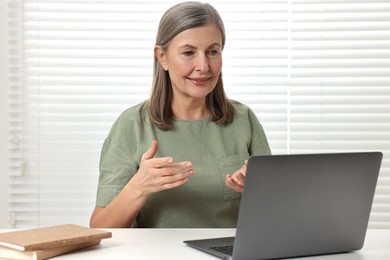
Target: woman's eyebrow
{"points": [[189, 46], [216, 44]]}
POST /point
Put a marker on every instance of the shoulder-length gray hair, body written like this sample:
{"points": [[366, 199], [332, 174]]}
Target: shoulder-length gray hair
{"points": [[175, 20]]}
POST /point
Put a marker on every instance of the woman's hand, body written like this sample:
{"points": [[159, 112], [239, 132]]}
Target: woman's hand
{"points": [[237, 180], [154, 174], [157, 174]]}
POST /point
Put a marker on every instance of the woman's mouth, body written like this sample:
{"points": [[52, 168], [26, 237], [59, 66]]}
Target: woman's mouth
{"points": [[199, 81]]}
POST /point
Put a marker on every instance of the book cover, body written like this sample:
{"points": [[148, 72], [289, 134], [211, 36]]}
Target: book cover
{"points": [[9, 253], [50, 237]]}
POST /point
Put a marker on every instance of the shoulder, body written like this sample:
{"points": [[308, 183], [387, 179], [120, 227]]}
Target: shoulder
{"points": [[136, 112], [130, 120], [244, 114], [242, 109], [237, 104], [134, 115]]}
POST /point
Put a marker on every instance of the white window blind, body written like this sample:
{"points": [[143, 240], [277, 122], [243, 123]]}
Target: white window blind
{"points": [[317, 74]]}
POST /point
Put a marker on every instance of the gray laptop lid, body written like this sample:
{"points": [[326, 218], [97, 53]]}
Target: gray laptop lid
{"points": [[305, 204], [299, 205]]}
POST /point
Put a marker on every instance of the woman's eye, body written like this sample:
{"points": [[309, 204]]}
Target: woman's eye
{"points": [[188, 53], [213, 52]]}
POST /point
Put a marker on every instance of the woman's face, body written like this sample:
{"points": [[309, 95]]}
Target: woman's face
{"points": [[194, 61]]}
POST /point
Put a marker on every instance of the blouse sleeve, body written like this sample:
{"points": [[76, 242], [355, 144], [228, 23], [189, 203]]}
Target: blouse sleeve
{"points": [[259, 143], [118, 162]]}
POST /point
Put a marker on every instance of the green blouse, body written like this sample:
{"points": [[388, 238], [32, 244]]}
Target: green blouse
{"points": [[214, 150]]}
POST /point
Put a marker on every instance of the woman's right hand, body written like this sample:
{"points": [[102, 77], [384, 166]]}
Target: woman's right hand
{"points": [[154, 174], [157, 174]]}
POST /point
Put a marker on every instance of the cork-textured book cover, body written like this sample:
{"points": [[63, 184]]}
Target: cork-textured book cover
{"points": [[50, 237], [8, 253]]}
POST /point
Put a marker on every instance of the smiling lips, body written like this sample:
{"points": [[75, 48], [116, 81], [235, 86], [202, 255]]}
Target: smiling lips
{"points": [[199, 81]]}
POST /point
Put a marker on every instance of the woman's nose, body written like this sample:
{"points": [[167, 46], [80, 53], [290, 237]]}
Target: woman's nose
{"points": [[201, 63]]}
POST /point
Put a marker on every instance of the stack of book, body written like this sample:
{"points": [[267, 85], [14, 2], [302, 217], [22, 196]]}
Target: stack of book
{"points": [[47, 242]]}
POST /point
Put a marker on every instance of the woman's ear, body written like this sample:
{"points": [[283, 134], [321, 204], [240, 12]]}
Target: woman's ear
{"points": [[161, 57]]}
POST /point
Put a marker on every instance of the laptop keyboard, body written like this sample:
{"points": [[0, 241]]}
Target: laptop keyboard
{"points": [[228, 250]]}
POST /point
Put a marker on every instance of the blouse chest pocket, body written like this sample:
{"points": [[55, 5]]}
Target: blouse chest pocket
{"points": [[227, 166]]}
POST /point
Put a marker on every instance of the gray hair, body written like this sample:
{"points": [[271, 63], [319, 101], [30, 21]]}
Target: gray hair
{"points": [[185, 16], [178, 18]]}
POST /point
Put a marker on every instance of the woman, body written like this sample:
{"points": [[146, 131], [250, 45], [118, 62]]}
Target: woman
{"points": [[166, 162]]}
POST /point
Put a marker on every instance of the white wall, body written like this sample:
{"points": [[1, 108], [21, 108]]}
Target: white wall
{"points": [[3, 120]]}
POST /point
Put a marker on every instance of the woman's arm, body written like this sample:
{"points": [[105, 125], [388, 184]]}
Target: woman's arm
{"points": [[121, 212], [154, 174]]}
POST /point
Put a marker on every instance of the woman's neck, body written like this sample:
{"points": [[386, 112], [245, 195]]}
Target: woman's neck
{"points": [[190, 110]]}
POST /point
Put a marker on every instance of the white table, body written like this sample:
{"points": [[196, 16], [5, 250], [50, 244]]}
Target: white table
{"points": [[168, 244]]}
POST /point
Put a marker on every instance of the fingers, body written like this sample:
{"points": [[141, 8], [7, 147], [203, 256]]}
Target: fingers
{"points": [[237, 180], [157, 162], [149, 154], [174, 168], [243, 168], [156, 174], [177, 172], [246, 163], [233, 184], [175, 180], [168, 178]]}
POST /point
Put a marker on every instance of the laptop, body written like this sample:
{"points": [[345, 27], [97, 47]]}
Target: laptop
{"points": [[301, 205]]}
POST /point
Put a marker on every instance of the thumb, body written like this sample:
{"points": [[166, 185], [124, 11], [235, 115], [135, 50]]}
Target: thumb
{"points": [[149, 154], [246, 162]]}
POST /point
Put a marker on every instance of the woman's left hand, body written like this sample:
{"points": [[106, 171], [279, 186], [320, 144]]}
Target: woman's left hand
{"points": [[237, 180]]}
